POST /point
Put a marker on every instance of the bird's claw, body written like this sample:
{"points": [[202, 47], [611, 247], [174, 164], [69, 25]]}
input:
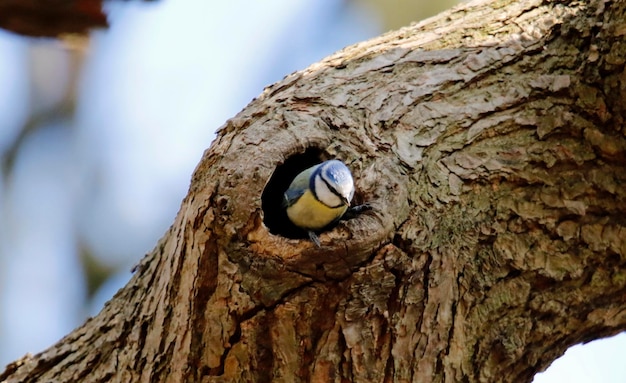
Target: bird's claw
{"points": [[314, 238]]}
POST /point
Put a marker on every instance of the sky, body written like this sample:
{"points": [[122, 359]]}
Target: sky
{"points": [[110, 179]]}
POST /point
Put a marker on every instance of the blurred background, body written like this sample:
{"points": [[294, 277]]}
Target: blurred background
{"points": [[99, 137]]}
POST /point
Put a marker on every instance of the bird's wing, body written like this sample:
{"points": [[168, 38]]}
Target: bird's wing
{"points": [[292, 196], [297, 188]]}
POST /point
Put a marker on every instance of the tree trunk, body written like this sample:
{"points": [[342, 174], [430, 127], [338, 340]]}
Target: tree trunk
{"points": [[490, 142]]}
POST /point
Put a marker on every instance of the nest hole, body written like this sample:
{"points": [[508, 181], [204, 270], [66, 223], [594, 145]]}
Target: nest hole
{"points": [[274, 214]]}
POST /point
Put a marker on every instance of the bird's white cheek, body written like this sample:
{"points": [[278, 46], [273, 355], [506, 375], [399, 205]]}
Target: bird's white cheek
{"points": [[326, 196]]}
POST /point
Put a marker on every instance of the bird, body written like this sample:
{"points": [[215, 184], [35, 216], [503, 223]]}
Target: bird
{"points": [[320, 196]]}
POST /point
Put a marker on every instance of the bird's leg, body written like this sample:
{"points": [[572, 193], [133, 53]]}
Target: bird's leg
{"points": [[354, 211], [314, 238]]}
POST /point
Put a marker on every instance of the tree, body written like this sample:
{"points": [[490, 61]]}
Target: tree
{"points": [[490, 142]]}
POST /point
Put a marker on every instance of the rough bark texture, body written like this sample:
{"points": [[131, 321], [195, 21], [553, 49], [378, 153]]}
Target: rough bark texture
{"points": [[491, 143]]}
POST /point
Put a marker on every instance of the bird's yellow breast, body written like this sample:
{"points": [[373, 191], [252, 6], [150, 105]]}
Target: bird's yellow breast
{"points": [[309, 213]]}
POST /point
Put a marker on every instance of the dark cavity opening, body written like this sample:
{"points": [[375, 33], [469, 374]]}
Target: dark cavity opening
{"points": [[274, 214]]}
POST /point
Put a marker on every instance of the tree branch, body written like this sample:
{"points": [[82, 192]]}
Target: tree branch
{"points": [[37, 18]]}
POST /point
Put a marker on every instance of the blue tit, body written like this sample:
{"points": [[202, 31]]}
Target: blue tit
{"points": [[319, 196]]}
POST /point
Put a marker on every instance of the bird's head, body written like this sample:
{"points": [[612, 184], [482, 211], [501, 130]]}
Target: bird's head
{"points": [[334, 185]]}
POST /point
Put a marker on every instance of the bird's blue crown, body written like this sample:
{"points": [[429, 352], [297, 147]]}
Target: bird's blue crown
{"points": [[335, 171]]}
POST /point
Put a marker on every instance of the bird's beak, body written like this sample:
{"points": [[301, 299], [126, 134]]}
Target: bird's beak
{"points": [[345, 200]]}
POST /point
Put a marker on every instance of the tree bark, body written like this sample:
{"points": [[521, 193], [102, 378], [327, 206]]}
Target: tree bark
{"points": [[490, 142]]}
